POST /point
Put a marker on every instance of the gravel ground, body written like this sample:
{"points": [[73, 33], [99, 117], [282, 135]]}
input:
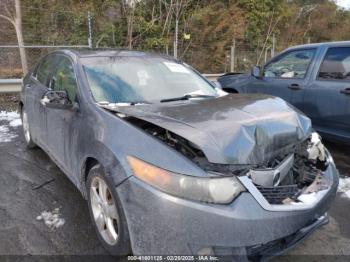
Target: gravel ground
{"points": [[9, 102], [22, 200]]}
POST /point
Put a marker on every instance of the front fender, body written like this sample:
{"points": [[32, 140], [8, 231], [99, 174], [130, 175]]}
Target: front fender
{"points": [[114, 171]]}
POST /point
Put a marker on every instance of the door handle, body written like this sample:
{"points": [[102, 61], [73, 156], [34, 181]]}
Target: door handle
{"points": [[345, 91], [295, 87]]}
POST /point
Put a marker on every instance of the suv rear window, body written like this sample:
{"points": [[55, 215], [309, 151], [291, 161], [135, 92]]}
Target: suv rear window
{"points": [[336, 64]]}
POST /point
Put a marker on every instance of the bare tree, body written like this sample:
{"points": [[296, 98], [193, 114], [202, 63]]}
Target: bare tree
{"points": [[12, 13], [272, 24], [179, 7], [129, 12], [174, 8]]}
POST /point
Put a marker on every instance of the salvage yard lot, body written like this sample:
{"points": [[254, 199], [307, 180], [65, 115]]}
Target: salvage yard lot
{"points": [[30, 183]]}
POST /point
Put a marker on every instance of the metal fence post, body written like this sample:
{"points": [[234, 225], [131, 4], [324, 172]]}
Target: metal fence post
{"points": [[176, 39], [273, 45], [233, 46], [89, 30]]}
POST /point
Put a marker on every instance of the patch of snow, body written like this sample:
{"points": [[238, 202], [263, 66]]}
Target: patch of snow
{"points": [[51, 219], [308, 198], [344, 186], [8, 116], [16, 122], [8, 119], [347, 194], [5, 134]]}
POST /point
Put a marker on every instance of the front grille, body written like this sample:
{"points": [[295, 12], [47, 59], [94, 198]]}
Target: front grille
{"points": [[276, 195]]}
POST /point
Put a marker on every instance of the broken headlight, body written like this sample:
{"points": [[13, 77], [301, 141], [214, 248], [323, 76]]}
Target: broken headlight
{"points": [[221, 190], [316, 150]]}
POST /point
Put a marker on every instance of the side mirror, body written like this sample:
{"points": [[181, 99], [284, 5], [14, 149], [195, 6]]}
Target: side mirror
{"points": [[256, 71], [57, 100]]}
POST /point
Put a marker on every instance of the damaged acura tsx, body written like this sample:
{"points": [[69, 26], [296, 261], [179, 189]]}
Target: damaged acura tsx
{"points": [[172, 165]]}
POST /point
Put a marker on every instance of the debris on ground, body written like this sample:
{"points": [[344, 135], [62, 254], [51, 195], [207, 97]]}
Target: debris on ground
{"points": [[43, 184], [51, 219]]}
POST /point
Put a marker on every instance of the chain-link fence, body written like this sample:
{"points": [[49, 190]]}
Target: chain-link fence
{"points": [[240, 60], [66, 29], [10, 60], [42, 31]]}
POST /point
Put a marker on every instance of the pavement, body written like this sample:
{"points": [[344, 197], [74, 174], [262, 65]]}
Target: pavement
{"points": [[31, 183]]}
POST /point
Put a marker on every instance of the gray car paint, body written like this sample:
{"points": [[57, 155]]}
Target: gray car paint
{"points": [[186, 227], [158, 222], [249, 129], [321, 100]]}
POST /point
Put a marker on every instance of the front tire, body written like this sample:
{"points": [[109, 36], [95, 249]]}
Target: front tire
{"points": [[26, 130], [106, 213]]}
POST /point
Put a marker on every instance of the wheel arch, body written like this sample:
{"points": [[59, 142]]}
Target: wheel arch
{"points": [[230, 90], [107, 159], [20, 106]]}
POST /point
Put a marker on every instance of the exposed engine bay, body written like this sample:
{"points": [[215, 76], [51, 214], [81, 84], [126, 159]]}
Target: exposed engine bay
{"points": [[283, 180], [188, 149]]}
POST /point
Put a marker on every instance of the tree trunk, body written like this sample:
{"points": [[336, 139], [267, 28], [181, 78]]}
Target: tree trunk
{"points": [[176, 37], [18, 28], [130, 27]]}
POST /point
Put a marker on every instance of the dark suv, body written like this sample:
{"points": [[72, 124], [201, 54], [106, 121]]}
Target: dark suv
{"points": [[315, 78]]}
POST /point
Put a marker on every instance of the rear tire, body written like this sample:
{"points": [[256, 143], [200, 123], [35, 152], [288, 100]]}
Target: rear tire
{"points": [[26, 129], [106, 213]]}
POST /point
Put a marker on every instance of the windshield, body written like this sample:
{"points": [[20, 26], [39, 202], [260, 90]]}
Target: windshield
{"points": [[142, 79]]}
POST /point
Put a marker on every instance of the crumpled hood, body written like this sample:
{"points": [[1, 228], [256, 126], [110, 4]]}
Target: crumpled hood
{"points": [[233, 129]]}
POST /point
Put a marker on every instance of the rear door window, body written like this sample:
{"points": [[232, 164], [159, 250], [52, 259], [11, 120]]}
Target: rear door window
{"points": [[336, 64]]}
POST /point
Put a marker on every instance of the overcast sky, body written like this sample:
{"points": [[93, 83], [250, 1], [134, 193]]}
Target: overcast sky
{"points": [[343, 3]]}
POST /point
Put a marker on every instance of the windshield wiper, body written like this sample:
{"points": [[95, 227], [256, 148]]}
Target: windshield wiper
{"points": [[131, 103], [185, 97]]}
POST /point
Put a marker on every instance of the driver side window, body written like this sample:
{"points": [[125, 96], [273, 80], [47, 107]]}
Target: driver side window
{"points": [[293, 64], [64, 79]]}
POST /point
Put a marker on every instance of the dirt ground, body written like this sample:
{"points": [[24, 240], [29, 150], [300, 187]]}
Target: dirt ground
{"points": [[22, 200], [8, 102]]}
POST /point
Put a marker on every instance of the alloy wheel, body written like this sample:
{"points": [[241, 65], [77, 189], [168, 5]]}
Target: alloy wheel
{"points": [[25, 126], [104, 210]]}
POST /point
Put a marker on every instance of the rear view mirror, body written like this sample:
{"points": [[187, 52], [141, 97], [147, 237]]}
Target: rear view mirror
{"points": [[57, 100], [256, 71]]}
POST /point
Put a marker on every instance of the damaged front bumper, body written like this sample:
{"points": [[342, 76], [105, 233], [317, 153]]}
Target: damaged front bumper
{"points": [[280, 246], [161, 224], [307, 200]]}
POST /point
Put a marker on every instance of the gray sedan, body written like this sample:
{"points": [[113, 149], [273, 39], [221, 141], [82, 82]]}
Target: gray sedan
{"points": [[169, 164]]}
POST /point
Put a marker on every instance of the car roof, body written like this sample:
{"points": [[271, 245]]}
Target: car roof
{"points": [[316, 45], [85, 52]]}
